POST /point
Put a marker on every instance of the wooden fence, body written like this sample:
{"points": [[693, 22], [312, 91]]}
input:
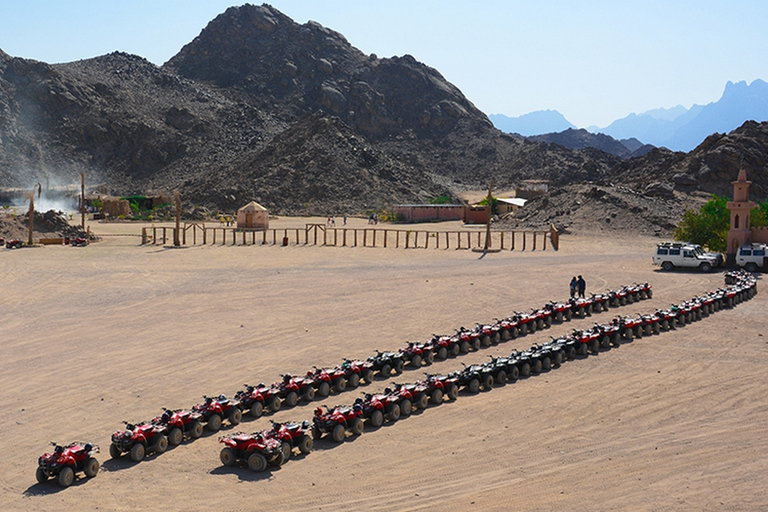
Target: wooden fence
{"points": [[319, 234]]}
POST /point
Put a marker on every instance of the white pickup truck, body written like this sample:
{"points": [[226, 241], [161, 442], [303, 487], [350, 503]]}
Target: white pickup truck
{"points": [[680, 254], [753, 256]]}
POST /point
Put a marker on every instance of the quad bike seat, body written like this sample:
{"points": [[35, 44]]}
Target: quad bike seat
{"points": [[293, 428]]}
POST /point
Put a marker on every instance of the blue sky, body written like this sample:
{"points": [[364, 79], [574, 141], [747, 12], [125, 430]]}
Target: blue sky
{"points": [[594, 61]]}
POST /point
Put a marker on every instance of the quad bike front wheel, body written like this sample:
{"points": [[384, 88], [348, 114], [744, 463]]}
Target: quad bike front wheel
{"points": [[66, 477], [257, 462], [368, 376], [357, 426], [195, 429], [275, 404], [235, 416], [394, 413], [377, 419], [91, 467], [442, 353], [114, 451], [416, 361], [257, 409], [338, 433], [501, 377], [406, 407], [175, 436], [453, 392], [227, 456], [385, 371], [437, 397], [474, 386], [286, 448], [305, 445], [309, 394], [41, 475], [214, 423], [137, 452], [324, 389], [161, 445], [291, 399], [464, 348], [354, 380]]}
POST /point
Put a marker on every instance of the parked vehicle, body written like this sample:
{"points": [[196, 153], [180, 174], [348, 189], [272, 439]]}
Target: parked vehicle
{"points": [[138, 440], [444, 346], [290, 389], [291, 435], [356, 371], [379, 407], [256, 399], [327, 379], [180, 423], [13, 244], [752, 257], [256, 449], [214, 410], [64, 462], [337, 422], [78, 242], [473, 378], [669, 255], [416, 353], [386, 362], [561, 311]]}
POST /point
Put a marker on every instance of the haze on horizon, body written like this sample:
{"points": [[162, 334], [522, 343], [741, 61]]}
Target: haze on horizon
{"points": [[594, 61]]}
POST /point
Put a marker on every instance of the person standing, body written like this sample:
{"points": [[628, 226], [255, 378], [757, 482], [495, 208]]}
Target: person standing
{"points": [[582, 286], [574, 285]]}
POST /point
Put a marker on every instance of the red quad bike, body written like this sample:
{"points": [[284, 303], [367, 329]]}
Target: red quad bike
{"points": [[587, 341], [256, 399], [376, 408], [65, 461], [444, 346], [581, 307], [291, 388], [214, 410], [357, 371], [256, 449], [337, 421], [139, 439], [543, 318], [666, 319], [417, 353], [180, 423], [600, 302], [650, 324], [629, 327], [525, 323], [403, 397], [291, 435], [488, 334], [560, 311], [326, 379], [645, 290], [510, 328], [438, 386], [78, 242], [468, 340], [13, 244]]}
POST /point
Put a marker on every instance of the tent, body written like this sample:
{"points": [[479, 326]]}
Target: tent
{"points": [[253, 216]]}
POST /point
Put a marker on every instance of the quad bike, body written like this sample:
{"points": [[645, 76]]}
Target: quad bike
{"points": [[489, 334], [586, 341], [437, 386], [581, 307], [600, 302], [180, 423], [418, 391], [13, 244], [507, 365], [386, 362], [327, 379], [510, 328], [650, 324], [379, 407], [138, 440], [416, 353], [65, 461], [258, 398], [468, 340], [543, 318], [403, 398], [560, 311], [357, 371], [443, 346], [290, 389], [78, 242], [214, 410], [666, 319], [337, 422], [629, 327], [645, 290], [551, 353], [474, 377], [525, 323], [256, 449], [291, 435]]}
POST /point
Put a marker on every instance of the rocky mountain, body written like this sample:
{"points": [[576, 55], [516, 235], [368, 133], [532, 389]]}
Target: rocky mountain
{"points": [[580, 139], [533, 123], [258, 107]]}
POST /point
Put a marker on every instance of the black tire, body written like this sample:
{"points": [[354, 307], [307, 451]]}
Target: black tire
{"points": [[500, 378], [338, 433], [227, 456], [442, 353], [548, 321], [368, 375], [455, 349], [558, 357], [309, 394], [406, 407], [628, 334], [540, 324], [453, 392], [195, 429], [569, 314], [605, 342], [474, 386], [536, 366], [279, 460], [354, 380], [214, 423], [505, 336], [114, 451], [91, 467], [523, 329], [570, 351], [583, 349], [137, 452], [639, 331], [340, 385], [306, 443], [648, 328], [257, 462], [475, 344], [655, 328], [316, 433], [488, 382], [559, 317], [546, 363], [532, 326], [235, 416], [705, 267], [464, 348], [275, 404], [357, 426], [750, 267], [385, 371], [257, 409], [515, 332], [377, 419], [398, 366], [161, 445], [514, 374], [416, 361], [66, 476], [422, 401], [485, 340], [394, 413], [324, 389], [40, 475], [436, 397], [525, 369], [287, 450], [175, 436]]}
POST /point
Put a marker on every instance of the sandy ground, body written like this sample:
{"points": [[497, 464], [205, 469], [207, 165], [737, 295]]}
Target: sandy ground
{"points": [[115, 331]]}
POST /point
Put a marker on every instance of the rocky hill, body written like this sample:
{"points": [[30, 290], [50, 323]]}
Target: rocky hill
{"points": [[258, 107], [579, 139]]}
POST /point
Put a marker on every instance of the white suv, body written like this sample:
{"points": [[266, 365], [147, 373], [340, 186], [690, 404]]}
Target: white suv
{"points": [[678, 254], [750, 257]]}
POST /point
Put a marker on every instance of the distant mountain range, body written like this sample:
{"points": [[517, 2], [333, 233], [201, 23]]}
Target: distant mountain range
{"points": [[677, 128]]}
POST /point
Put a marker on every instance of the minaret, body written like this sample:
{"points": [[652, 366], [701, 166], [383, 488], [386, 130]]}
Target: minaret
{"points": [[740, 232]]}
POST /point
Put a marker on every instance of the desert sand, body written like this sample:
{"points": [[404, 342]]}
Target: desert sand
{"points": [[116, 331]]}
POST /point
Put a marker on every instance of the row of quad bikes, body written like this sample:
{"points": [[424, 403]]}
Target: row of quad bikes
{"points": [[274, 446]]}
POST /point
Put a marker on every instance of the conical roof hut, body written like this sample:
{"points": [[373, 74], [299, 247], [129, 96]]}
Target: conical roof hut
{"points": [[253, 216]]}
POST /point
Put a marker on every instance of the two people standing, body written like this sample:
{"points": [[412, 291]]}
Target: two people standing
{"points": [[578, 286]]}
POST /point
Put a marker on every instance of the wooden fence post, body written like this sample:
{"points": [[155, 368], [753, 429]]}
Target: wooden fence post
{"points": [[397, 238], [524, 233], [365, 237], [386, 232], [534, 240], [344, 237], [355, 238], [502, 240]]}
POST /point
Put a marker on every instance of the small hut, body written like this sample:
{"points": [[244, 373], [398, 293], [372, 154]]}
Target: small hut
{"points": [[253, 216]]}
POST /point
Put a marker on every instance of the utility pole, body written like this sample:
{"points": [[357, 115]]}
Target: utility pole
{"points": [[488, 226], [177, 231], [82, 200]]}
